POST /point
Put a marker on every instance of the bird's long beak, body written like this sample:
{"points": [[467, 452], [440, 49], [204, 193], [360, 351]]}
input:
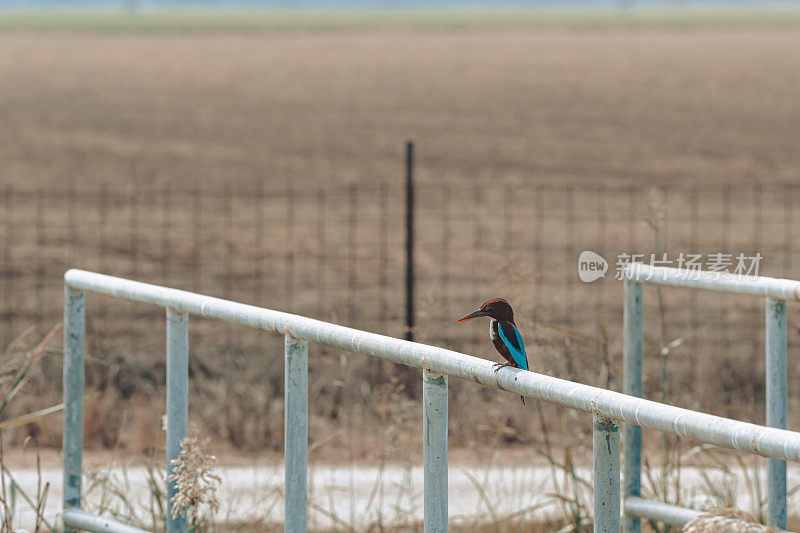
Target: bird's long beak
{"points": [[470, 316]]}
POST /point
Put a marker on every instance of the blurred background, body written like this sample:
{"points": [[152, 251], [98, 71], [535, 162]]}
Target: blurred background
{"points": [[256, 151]]}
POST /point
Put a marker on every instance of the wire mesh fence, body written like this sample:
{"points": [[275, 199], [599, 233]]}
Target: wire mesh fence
{"points": [[336, 252]]}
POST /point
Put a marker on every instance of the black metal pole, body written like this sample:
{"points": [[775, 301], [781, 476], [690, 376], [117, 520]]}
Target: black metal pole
{"points": [[410, 241]]}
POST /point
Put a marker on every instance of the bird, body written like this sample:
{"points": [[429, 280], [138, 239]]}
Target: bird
{"points": [[503, 333]]}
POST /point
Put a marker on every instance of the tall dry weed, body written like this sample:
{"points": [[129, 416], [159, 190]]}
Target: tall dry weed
{"points": [[726, 520], [197, 484]]}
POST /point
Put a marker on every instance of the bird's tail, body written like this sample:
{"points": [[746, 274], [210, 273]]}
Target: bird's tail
{"points": [[523, 400]]}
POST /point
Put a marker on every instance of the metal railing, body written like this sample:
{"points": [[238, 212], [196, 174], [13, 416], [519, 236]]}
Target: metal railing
{"points": [[775, 292], [608, 408]]}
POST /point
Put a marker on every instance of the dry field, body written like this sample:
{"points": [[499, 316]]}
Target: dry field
{"points": [[532, 146], [639, 106]]}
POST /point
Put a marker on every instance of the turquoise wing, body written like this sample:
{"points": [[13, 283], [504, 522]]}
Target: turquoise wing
{"points": [[513, 341]]}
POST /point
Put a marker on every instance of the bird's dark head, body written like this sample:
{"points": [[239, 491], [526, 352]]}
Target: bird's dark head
{"points": [[496, 308]]}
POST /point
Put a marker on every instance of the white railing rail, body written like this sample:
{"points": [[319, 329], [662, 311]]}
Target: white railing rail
{"points": [[775, 292], [608, 408]]}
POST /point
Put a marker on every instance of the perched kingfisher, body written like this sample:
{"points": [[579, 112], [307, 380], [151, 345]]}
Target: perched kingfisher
{"points": [[503, 332]]}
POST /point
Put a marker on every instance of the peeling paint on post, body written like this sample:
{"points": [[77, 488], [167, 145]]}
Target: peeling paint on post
{"points": [[605, 463], [434, 435], [296, 434], [632, 361], [177, 403], [74, 327], [776, 407]]}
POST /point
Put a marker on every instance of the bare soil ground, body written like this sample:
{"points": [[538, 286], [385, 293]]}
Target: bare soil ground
{"points": [[633, 105], [492, 112]]}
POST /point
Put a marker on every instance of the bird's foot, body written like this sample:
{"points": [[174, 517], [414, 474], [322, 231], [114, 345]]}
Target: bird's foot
{"points": [[498, 366]]}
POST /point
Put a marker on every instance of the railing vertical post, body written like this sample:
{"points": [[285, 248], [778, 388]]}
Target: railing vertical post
{"points": [[296, 434], [776, 407], [632, 375], [605, 463], [434, 437], [74, 327], [177, 403]]}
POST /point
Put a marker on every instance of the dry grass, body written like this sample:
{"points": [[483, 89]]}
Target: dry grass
{"points": [[20, 359]]}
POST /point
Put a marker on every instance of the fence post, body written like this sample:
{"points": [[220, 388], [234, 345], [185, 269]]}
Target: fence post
{"points": [[74, 327], [605, 463], [410, 241], [632, 375], [177, 403], [434, 437], [776, 407], [296, 434]]}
